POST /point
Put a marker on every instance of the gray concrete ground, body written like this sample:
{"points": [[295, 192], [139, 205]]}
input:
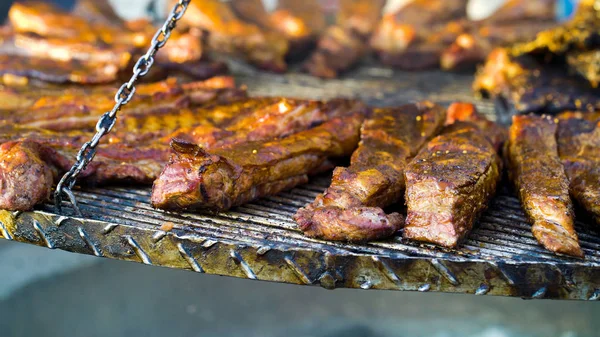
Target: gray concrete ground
{"points": [[54, 293]]}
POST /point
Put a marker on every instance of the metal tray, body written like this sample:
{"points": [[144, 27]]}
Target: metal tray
{"points": [[260, 240]]}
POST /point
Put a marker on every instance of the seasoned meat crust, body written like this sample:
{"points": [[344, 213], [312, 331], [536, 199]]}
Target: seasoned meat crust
{"points": [[230, 176], [579, 151], [351, 208], [542, 184], [452, 179]]}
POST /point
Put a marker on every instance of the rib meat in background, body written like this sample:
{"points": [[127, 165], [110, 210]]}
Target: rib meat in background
{"points": [[342, 45]]}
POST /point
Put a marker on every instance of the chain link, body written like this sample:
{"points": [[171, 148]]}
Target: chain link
{"points": [[122, 97]]}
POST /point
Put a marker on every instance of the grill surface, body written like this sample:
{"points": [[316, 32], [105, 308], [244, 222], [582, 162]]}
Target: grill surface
{"points": [[261, 241]]}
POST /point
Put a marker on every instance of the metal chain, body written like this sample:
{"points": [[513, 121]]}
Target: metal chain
{"points": [[123, 96]]}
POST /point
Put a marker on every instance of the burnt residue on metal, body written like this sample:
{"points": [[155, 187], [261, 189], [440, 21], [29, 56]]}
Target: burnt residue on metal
{"points": [[260, 240]]}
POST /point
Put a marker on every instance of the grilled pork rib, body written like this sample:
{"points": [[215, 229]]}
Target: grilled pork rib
{"points": [[226, 177], [351, 208], [342, 45], [452, 179], [541, 183], [579, 151]]}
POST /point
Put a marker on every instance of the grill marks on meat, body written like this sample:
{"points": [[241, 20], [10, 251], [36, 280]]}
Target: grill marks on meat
{"points": [[351, 208], [579, 151], [541, 183], [226, 177], [228, 34], [452, 179], [527, 86], [342, 45]]}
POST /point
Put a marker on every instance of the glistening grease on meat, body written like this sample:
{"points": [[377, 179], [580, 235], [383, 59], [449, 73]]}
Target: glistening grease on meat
{"points": [[541, 183], [351, 208], [452, 179], [226, 177]]}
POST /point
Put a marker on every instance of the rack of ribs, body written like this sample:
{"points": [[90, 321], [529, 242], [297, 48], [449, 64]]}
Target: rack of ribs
{"points": [[351, 209], [299, 22], [227, 33], [451, 180], [541, 183], [220, 178], [579, 150], [342, 45]]}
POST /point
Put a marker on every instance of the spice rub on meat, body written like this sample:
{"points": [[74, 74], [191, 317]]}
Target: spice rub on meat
{"points": [[579, 150], [221, 178], [351, 208], [541, 183], [452, 179]]}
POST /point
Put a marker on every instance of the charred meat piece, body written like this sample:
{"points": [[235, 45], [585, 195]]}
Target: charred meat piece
{"points": [[351, 208], [228, 34], [342, 45], [292, 19], [527, 86], [579, 151], [541, 183], [223, 178], [452, 179], [586, 64]]}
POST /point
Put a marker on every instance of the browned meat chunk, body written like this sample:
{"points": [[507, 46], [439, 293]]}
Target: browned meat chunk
{"points": [[226, 177], [541, 183], [292, 19], [414, 37], [579, 151], [228, 34], [342, 45], [528, 86], [351, 208], [452, 179]]}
